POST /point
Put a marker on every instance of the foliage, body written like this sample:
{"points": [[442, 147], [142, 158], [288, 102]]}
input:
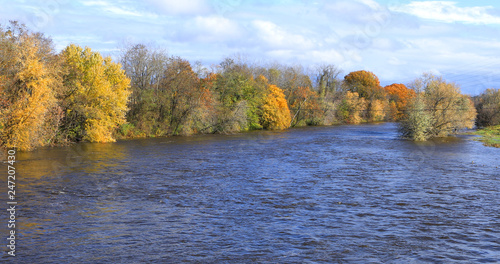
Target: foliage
{"points": [[399, 96], [417, 122], [28, 80], [78, 95], [327, 80], [365, 83], [439, 103], [179, 94], [275, 112], [351, 108], [488, 108], [145, 67], [377, 110], [239, 96], [305, 105], [95, 95], [204, 116]]}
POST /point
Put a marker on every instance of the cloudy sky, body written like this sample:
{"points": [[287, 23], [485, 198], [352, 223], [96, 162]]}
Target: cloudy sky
{"points": [[398, 40]]}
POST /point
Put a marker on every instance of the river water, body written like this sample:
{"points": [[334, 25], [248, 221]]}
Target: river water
{"points": [[342, 194]]}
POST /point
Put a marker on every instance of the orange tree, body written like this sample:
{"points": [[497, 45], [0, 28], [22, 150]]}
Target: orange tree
{"points": [[399, 96], [275, 111], [367, 85]]}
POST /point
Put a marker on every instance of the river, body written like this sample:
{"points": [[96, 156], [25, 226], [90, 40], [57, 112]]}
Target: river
{"points": [[340, 194]]}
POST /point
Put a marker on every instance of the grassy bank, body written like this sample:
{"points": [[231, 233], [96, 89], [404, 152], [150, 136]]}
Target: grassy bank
{"points": [[490, 136]]}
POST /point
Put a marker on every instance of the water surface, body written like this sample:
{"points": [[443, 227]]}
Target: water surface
{"points": [[345, 194]]}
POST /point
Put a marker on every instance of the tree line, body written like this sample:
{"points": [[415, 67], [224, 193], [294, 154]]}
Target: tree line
{"points": [[77, 95]]}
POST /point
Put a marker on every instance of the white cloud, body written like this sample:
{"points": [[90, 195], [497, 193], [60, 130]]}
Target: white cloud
{"points": [[395, 61], [276, 37], [116, 10], [449, 12], [181, 7], [217, 28], [326, 56], [209, 29]]}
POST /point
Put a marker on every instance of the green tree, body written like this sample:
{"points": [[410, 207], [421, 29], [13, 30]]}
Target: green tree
{"points": [[239, 97]]}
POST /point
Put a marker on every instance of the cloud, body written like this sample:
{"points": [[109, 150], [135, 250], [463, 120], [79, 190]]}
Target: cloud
{"points": [[276, 37], [116, 10], [208, 29], [182, 7], [358, 12], [449, 12]]}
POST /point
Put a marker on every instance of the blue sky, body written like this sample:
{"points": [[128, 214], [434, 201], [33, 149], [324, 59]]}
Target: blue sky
{"points": [[398, 40]]}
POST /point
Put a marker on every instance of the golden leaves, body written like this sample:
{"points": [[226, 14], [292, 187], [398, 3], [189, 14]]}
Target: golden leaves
{"points": [[276, 115], [98, 91], [27, 96]]}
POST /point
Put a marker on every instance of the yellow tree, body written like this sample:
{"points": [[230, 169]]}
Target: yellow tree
{"points": [[94, 97], [377, 110], [29, 115], [367, 85], [275, 111], [351, 108]]}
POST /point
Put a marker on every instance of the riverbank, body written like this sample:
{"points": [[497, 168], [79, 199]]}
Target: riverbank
{"points": [[490, 136]]}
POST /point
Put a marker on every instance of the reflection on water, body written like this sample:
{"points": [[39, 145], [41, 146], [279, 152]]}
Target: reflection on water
{"points": [[319, 195]]}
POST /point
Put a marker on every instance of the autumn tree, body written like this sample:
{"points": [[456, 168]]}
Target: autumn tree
{"points": [[179, 94], [305, 107], [399, 96], [439, 107], [95, 95], [377, 110], [145, 66], [29, 80], [327, 81], [488, 108], [239, 97], [416, 123], [204, 118], [365, 83], [275, 112], [351, 108]]}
